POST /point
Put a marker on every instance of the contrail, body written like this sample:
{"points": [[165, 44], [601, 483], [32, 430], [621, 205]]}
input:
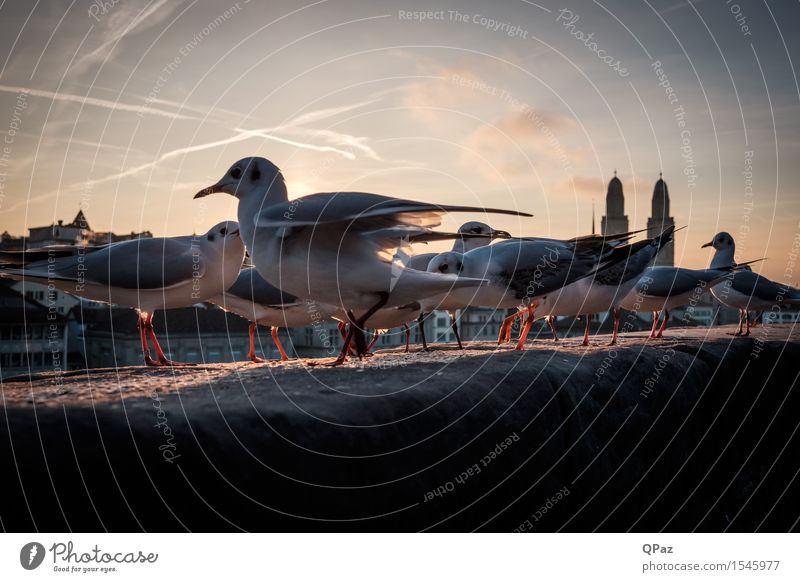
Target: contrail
{"points": [[241, 135], [104, 103]]}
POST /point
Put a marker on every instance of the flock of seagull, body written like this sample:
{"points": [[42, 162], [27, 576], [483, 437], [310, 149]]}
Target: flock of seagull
{"points": [[348, 256]]}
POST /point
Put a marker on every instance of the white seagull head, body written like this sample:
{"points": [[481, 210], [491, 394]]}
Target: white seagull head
{"points": [[721, 241], [450, 263], [224, 238], [245, 176]]}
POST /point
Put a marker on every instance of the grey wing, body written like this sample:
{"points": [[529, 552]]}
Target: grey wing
{"points": [[251, 286], [154, 263], [754, 285], [627, 262], [666, 281], [361, 210], [534, 268]]}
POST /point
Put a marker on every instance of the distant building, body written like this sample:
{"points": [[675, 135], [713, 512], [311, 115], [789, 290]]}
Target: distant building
{"points": [[32, 338], [614, 221], [659, 221], [77, 232], [8, 242]]}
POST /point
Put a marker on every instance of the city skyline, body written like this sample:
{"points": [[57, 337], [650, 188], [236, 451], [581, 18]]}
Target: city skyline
{"points": [[127, 109]]}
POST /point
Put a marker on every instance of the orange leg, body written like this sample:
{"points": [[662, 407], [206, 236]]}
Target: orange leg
{"points": [[664, 324], [162, 358], [613, 341], [252, 353], [586, 331], [741, 323], [351, 329], [374, 340], [274, 332], [141, 325], [505, 329], [655, 324], [526, 328]]}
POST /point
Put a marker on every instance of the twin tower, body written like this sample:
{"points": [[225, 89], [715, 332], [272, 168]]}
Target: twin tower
{"points": [[615, 221]]}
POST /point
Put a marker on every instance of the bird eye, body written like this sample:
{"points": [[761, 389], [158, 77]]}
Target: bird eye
{"points": [[476, 230], [236, 173], [443, 267], [223, 231]]}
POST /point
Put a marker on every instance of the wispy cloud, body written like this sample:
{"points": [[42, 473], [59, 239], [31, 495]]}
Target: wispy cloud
{"points": [[123, 20], [92, 101], [356, 143]]}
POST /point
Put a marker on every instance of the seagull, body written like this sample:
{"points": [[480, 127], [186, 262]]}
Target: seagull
{"points": [[145, 274], [662, 289], [604, 291], [341, 248], [745, 290], [520, 271], [260, 303], [473, 235]]}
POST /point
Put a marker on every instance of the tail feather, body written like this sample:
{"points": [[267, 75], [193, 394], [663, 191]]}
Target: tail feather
{"points": [[424, 284]]}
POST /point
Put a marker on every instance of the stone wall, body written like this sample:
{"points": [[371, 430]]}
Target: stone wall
{"points": [[691, 433]]}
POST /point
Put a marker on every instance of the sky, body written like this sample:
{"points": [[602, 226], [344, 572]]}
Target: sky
{"points": [[128, 108]]}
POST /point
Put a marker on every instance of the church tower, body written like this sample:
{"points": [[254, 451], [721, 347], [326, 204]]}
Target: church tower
{"points": [[660, 220], [614, 221]]}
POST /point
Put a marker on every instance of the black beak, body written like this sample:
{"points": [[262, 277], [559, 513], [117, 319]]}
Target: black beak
{"points": [[500, 234], [235, 232], [708, 244], [210, 190]]}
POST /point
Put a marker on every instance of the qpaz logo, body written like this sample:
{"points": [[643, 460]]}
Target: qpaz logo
{"points": [[31, 555]]}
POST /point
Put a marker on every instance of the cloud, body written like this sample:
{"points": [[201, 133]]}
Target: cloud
{"points": [[526, 136], [241, 134], [92, 101], [335, 138], [590, 186], [123, 19], [320, 114]]}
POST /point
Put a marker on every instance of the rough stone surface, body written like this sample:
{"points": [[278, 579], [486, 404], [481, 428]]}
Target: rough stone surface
{"points": [[697, 431]]}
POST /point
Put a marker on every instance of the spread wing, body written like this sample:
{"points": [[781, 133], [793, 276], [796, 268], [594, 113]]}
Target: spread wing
{"points": [[361, 211], [754, 285], [535, 268], [666, 281]]}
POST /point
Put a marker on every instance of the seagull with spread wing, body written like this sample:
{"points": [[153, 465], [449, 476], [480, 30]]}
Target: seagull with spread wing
{"points": [[347, 249], [521, 271]]}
